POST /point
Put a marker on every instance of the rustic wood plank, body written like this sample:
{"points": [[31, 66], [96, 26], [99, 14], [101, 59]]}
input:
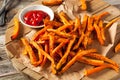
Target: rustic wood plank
{"points": [[16, 63], [32, 74], [23, 30], [114, 12], [97, 5]]}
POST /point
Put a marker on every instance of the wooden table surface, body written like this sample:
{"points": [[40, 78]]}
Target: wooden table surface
{"points": [[7, 71]]}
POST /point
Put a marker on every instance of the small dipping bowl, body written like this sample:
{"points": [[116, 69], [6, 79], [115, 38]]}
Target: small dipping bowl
{"points": [[32, 8]]}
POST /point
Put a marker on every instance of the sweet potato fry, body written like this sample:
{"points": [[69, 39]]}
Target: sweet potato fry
{"points": [[52, 23], [37, 35], [84, 22], [62, 34], [83, 5], [39, 54], [100, 16], [79, 41], [52, 2], [31, 53], [16, 29], [61, 28], [75, 58], [77, 23], [24, 51], [45, 58], [64, 58], [99, 68], [51, 44], [90, 61], [111, 22], [59, 46], [102, 29], [100, 57], [47, 55], [117, 48], [63, 18], [90, 24], [98, 31]]}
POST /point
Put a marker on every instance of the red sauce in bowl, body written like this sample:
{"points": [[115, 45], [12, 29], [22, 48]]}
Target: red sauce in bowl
{"points": [[35, 17]]}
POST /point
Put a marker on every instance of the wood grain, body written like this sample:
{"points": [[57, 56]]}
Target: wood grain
{"points": [[7, 70]]}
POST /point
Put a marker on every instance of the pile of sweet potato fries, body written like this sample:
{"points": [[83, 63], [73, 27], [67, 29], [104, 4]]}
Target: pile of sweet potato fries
{"points": [[64, 41]]}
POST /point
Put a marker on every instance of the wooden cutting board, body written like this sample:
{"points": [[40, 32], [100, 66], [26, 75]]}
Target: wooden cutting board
{"points": [[95, 7]]}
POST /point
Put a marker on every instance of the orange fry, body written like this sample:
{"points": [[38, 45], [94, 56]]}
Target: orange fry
{"points": [[90, 24], [31, 53], [51, 43], [83, 5], [75, 58], [100, 57], [39, 54], [63, 18], [84, 22], [97, 29], [40, 32], [100, 16], [102, 29], [59, 46], [61, 28], [62, 34], [77, 23], [45, 58], [79, 41], [117, 48], [90, 61], [111, 22], [47, 55], [16, 29], [99, 68], [64, 58]]}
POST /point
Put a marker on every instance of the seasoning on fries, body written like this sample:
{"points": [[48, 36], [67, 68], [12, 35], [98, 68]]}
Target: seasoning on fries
{"points": [[65, 42]]}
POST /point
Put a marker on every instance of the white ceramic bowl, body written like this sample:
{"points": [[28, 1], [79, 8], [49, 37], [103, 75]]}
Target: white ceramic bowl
{"points": [[35, 7]]}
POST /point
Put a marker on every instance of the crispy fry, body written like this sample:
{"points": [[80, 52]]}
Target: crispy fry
{"points": [[62, 34], [100, 16], [47, 55], [51, 44], [102, 29], [39, 54], [37, 35], [75, 58], [52, 23], [100, 57], [63, 59], [59, 46], [63, 18], [83, 5], [97, 29], [31, 53], [64, 27], [117, 48], [79, 41], [90, 24], [90, 61], [25, 51], [99, 68], [52, 2], [45, 58], [84, 22], [16, 29], [111, 22], [77, 23]]}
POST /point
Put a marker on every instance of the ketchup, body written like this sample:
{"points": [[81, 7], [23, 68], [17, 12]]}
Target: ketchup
{"points": [[35, 17]]}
